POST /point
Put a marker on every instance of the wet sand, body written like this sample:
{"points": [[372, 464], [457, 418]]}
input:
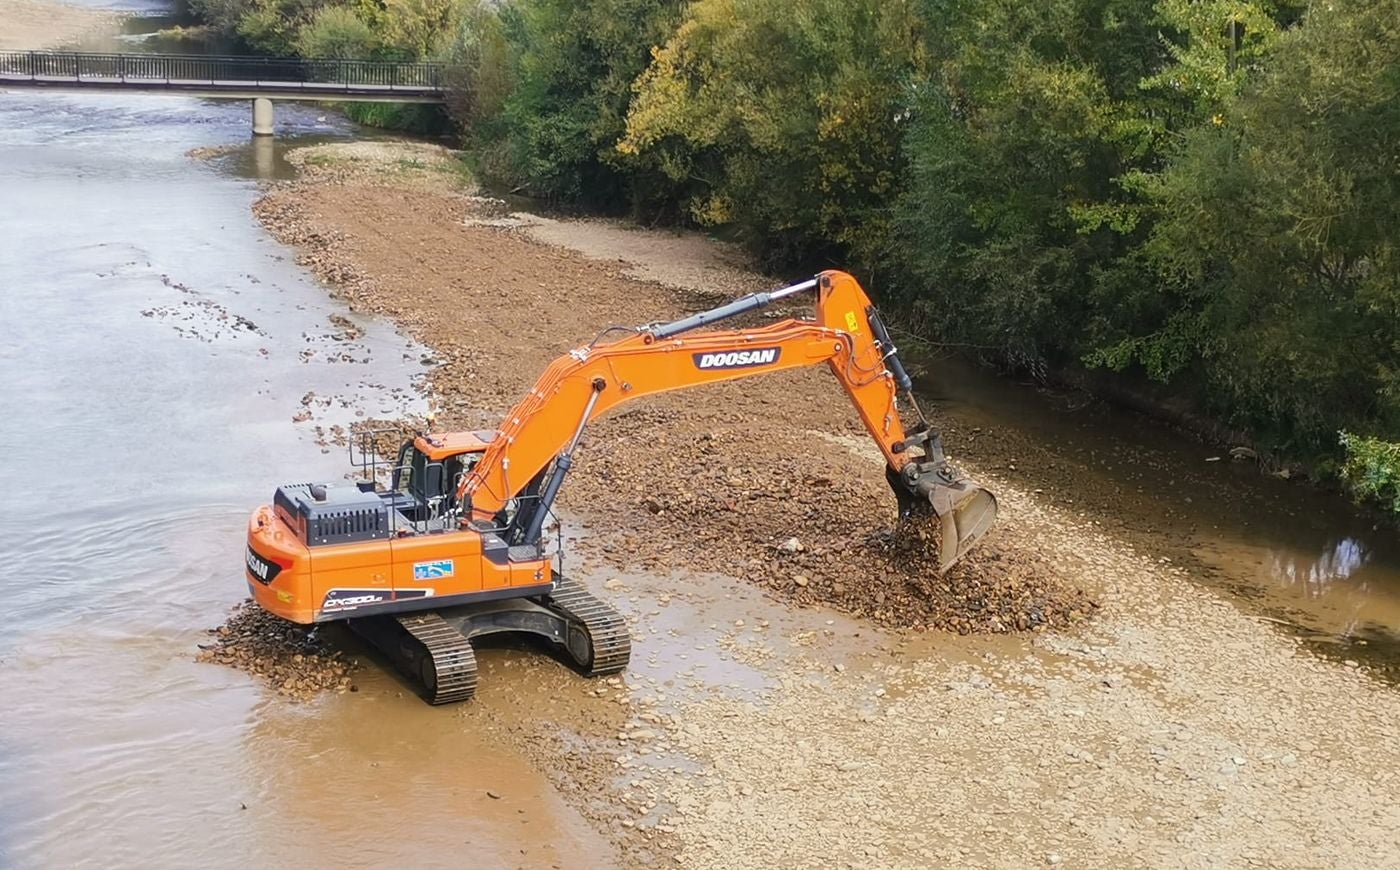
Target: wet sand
{"points": [[757, 726]]}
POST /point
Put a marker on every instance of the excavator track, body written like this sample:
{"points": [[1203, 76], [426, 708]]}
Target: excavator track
{"points": [[609, 638], [433, 648], [447, 673], [427, 650]]}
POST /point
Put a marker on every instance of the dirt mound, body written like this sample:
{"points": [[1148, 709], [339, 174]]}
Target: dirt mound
{"points": [[998, 587], [294, 659], [812, 531]]}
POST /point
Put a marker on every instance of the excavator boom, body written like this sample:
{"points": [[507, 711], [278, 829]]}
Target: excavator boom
{"points": [[846, 334]]}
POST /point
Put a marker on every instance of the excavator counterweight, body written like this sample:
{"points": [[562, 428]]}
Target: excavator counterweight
{"points": [[451, 547]]}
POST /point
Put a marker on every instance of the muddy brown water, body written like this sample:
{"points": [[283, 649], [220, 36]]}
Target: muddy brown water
{"points": [[1286, 550]]}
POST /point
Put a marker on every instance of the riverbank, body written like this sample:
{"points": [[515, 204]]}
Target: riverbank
{"points": [[35, 24], [1168, 728]]}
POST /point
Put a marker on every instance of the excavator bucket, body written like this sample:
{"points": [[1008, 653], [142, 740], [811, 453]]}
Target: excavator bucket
{"points": [[965, 511]]}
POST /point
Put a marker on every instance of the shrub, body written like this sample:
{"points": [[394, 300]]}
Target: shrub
{"points": [[1372, 470], [543, 87], [336, 32], [781, 119]]}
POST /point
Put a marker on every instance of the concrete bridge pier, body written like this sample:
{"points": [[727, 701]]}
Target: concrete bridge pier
{"points": [[264, 157], [262, 116]]}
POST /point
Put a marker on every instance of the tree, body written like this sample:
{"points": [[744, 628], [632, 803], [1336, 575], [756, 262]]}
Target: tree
{"points": [[336, 32], [561, 72], [781, 119], [420, 29], [1014, 230], [1275, 242]]}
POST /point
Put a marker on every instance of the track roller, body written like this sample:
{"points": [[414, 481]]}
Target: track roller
{"points": [[428, 650]]}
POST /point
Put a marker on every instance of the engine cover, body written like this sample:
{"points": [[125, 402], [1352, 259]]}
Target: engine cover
{"points": [[345, 514]]}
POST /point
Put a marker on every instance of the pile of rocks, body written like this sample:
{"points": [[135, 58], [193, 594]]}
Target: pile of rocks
{"points": [[808, 520], [294, 659]]}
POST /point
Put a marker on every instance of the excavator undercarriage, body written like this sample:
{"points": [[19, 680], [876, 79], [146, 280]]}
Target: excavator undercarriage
{"points": [[433, 649], [452, 547]]}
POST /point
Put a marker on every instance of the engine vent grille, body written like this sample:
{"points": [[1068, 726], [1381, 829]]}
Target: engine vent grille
{"points": [[346, 514]]}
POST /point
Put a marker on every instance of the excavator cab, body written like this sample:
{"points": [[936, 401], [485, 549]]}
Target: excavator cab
{"points": [[426, 489]]}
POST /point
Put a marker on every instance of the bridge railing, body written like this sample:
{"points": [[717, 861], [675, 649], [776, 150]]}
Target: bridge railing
{"points": [[187, 69]]}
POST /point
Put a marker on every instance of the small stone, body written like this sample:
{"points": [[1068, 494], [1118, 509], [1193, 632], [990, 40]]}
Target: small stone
{"points": [[801, 580], [1352, 663], [791, 545], [493, 795], [1053, 858]]}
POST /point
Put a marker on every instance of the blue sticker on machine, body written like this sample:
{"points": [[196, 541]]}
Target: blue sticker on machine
{"points": [[432, 570]]}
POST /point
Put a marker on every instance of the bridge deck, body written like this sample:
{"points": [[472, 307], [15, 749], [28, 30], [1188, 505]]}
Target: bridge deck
{"points": [[224, 76]]}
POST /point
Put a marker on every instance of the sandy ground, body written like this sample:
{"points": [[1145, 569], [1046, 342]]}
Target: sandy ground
{"points": [[33, 25], [1168, 728]]}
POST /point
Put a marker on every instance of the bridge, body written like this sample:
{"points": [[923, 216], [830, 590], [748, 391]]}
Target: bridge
{"points": [[259, 79]]}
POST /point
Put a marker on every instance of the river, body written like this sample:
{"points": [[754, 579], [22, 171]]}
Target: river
{"points": [[1286, 550], [156, 344]]}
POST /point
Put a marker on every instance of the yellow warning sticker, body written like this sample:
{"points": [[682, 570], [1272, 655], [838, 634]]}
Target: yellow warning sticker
{"points": [[852, 324]]}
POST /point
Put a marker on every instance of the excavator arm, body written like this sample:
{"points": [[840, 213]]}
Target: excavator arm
{"points": [[540, 433]]}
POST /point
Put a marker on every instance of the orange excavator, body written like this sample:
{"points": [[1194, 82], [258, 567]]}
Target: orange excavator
{"points": [[453, 547]]}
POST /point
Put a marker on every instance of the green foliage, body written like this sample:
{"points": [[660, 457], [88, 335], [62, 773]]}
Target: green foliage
{"points": [[1372, 470], [1275, 241], [544, 90], [1014, 230], [407, 117], [781, 119], [336, 32], [269, 27], [419, 29], [360, 29], [1203, 193]]}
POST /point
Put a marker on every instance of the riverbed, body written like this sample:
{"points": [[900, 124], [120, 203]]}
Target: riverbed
{"points": [[1179, 725]]}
